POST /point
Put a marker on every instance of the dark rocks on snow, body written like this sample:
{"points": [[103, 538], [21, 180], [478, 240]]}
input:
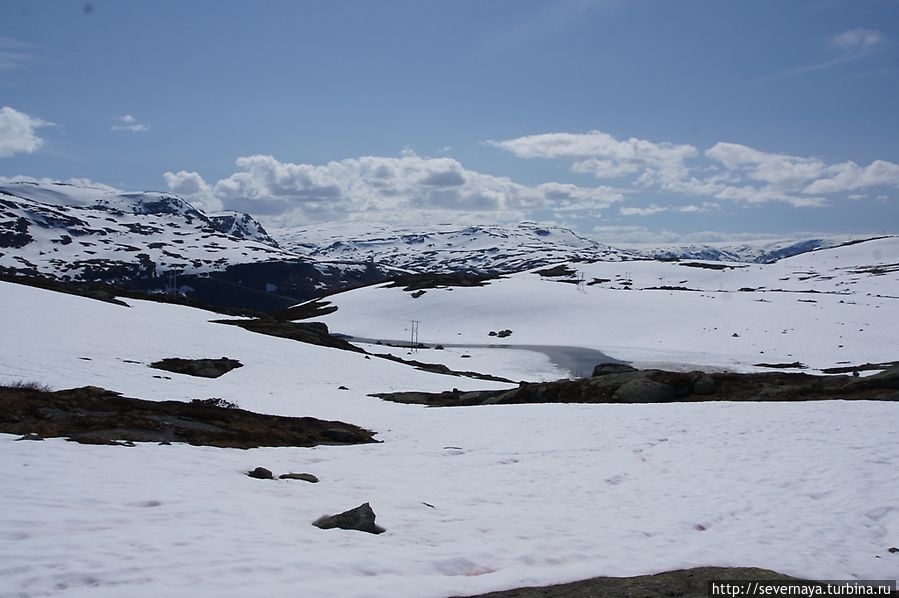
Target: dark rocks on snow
{"points": [[31, 436], [306, 477], [98, 416], [659, 386], [343, 435], [644, 390], [204, 368], [612, 368], [501, 334], [703, 384], [686, 583], [362, 518], [261, 473]]}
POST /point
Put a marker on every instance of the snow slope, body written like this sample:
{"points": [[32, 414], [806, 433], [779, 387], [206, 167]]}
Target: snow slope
{"points": [[523, 494], [824, 308]]}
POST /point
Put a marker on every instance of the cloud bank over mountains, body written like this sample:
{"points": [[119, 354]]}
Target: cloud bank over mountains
{"points": [[678, 177], [637, 177], [726, 171], [409, 187]]}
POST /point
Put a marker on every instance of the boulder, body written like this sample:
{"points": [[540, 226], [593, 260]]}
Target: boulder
{"points": [[362, 518], [306, 477], [644, 390], [261, 473]]}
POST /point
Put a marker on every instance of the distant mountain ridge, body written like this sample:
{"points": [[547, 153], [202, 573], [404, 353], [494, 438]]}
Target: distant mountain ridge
{"points": [[448, 248], [151, 241], [121, 235], [137, 240], [758, 252]]}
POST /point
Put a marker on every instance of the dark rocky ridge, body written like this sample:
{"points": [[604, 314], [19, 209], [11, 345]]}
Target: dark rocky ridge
{"points": [[621, 385], [686, 583], [93, 415]]}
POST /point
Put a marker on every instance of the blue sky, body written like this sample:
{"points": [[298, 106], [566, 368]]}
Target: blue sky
{"points": [[625, 120]]}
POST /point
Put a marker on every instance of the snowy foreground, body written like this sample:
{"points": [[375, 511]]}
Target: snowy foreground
{"points": [[518, 495]]}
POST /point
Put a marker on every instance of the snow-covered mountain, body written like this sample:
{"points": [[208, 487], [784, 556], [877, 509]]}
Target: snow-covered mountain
{"points": [[447, 248], [67, 233], [758, 252], [135, 240]]}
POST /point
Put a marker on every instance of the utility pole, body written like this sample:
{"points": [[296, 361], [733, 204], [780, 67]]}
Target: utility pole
{"points": [[413, 337]]}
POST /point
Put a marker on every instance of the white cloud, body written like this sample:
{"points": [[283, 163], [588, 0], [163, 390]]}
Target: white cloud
{"points": [[604, 156], [776, 169], [409, 186], [17, 132], [612, 234], [129, 123], [849, 176], [647, 211], [857, 40], [726, 171], [192, 187]]}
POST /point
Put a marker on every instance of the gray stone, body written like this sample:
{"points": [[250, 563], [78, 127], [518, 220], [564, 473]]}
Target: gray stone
{"points": [[362, 518], [604, 369], [31, 436], [306, 477], [644, 390], [703, 384], [261, 473]]}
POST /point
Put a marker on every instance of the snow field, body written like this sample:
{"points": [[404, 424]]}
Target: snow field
{"points": [[846, 321], [519, 494]]}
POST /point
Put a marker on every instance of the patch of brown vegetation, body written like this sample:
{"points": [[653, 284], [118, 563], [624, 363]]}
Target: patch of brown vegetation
{"points": [[93, 415], [314, 333]]}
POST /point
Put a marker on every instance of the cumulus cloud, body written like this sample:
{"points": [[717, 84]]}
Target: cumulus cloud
{"points": [[604, 156], [129, 123], [849, 176], [725, 171], [408, 186], [18, 132], [192, 187], [776, 169]]}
